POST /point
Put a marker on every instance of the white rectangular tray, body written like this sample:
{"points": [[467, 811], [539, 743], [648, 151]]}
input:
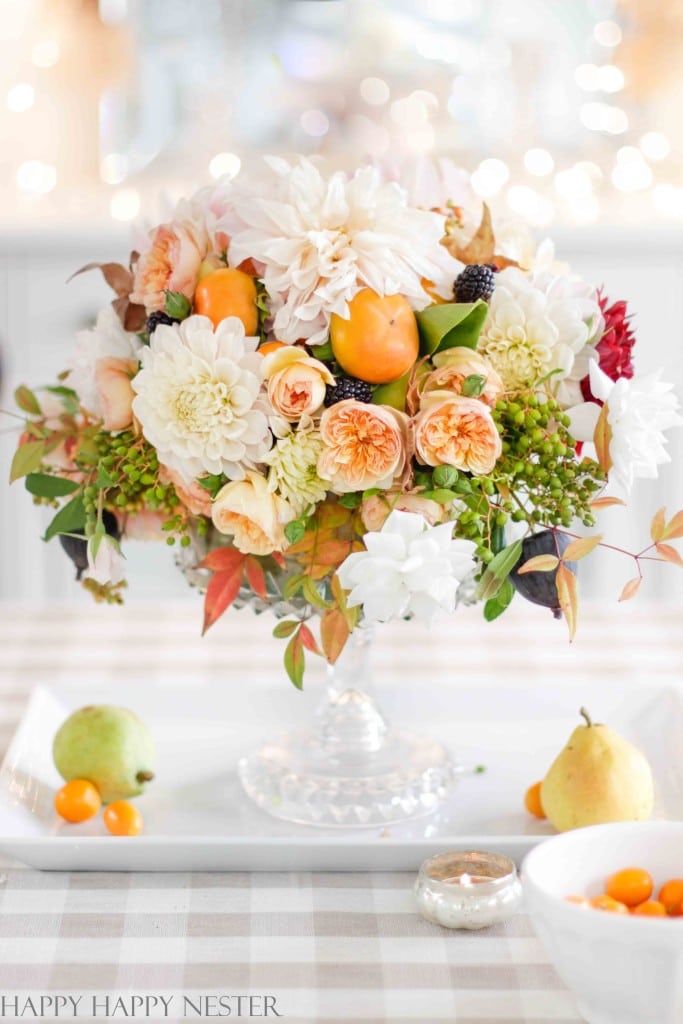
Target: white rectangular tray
{"points": [[197, 818]]}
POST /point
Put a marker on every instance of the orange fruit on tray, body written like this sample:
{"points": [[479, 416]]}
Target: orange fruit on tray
{"points": [[379, 341], [671, 896], [77, 801], [122, 819], [228, 292], [532, 800], [609, 904], [631, 886], [650, 908]]}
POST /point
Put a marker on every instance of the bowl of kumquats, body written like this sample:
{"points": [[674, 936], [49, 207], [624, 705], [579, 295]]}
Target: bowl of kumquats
{"points": [[607, 904]]}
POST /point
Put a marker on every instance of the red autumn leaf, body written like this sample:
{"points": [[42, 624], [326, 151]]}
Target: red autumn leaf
{"points": [[631, 589], [334, 632], [256, 578], [278, 559], [567, 591], [658, 525], [581, 547], [308, 640], [222, 590], [223, 559], [669, 554], [674, 528]]}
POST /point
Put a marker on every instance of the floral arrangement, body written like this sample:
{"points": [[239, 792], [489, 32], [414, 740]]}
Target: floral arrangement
{"points": [[350, 403]]}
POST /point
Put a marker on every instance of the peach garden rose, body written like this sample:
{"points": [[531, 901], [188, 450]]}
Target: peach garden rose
{"points": [[171, 263], [451, 430], [113, 378], [296, 382], [376, 509], [254, 517], [365, 446], [456, 364]]}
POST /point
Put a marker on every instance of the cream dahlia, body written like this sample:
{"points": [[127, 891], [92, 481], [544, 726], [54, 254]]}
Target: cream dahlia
{"points": [[321, 240], [198, 395], [293, 462], [538, 323]]}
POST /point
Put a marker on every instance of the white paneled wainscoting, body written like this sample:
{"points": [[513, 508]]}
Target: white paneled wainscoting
{"points": [[40, 312]]}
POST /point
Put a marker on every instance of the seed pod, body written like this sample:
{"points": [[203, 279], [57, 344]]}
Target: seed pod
{"points": [[541, 587]]}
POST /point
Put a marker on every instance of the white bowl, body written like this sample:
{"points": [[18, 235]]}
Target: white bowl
{"points": [[622, 970]]}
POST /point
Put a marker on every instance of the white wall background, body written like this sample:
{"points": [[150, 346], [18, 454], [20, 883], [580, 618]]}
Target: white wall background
{"points": [[39, 314]]}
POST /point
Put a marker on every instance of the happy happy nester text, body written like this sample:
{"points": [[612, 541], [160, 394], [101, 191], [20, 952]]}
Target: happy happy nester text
{"points": [[109, 1007]]}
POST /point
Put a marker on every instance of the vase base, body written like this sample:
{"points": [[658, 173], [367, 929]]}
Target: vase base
{"points": [[295, 777]]}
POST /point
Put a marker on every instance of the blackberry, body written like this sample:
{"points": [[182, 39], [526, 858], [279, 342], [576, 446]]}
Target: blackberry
{"points": [[348, 387], [154, 319], [476, 281]]}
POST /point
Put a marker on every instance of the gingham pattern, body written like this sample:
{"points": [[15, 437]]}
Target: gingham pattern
{"points": [[329, 947]]}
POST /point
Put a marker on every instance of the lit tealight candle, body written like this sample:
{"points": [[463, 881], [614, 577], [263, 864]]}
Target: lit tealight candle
{"points": [[468, 890]]}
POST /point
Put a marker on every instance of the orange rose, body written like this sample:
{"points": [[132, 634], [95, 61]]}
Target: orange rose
{"points": [[365, 446], [254, 517], [375, 510], [451, 430], [193, 496], [170, 264], [296, 382], [113, 378], [454, 365]]}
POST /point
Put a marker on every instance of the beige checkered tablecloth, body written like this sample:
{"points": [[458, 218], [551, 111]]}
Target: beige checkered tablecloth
{"points": [[325, 947]]}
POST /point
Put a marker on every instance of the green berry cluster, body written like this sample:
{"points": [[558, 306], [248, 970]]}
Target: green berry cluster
{"points": [[125, 469], [538, 467]]}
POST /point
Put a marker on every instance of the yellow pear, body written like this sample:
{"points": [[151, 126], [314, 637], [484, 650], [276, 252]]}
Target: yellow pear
{"points": [[597, 778]]}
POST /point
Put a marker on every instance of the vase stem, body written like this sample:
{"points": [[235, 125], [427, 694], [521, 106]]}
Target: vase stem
{"points": [[349, 721]]}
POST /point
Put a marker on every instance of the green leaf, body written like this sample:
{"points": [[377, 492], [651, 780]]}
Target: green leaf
{"points": [[312, 595], [462, 485], [448, 324], [178, 305], [68, 397], [497, 571], [444, 476], [442, 495], [495, 606], [293, 585], [294, 531], [27, 458], [45, 486], [27, 401], [350, 500], [69, 519], [103, 478], [323, 352], [285, 629], [295, 661], [473, 385], [371, 492], [212, 483]]}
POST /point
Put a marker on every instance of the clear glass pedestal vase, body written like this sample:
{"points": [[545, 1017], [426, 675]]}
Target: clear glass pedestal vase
{"points": [[350, 769]]}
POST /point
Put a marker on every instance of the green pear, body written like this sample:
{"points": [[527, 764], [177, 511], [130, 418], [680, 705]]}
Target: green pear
{"points": [[110, 747], [599, 777]]}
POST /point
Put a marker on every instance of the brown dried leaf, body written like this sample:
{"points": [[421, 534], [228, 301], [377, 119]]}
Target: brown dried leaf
{"points": [[118, 277], [631, 589], [658, 524], [134, 318], [599, 503], [539, 563], [481, 246], [669, 554], [581, 547], [568, 593], [674, 527]]}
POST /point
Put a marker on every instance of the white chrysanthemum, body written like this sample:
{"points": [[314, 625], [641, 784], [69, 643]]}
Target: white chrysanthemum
{"points": [[106, 339], [293, 468], [408, 568], [638, 413], [538, 323], [321, 240], [198, 398]]}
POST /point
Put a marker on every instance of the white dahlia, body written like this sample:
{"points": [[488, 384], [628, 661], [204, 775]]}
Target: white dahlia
{"points": [[538, 323], [107, 339], [321, 240], [293, 471], [198, 398], [638, 413]]}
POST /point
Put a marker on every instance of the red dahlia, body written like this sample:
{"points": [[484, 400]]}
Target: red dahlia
{"points": [[614, 348]]}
